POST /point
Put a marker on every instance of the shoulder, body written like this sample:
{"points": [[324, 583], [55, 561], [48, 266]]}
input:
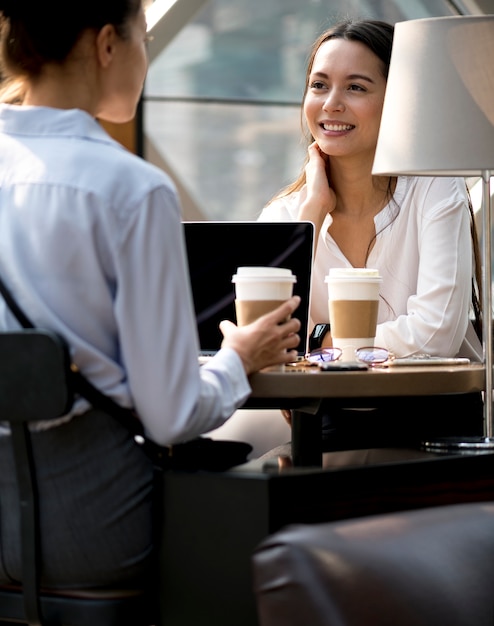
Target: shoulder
{"points": [[449, 187], [430, 194], [132, 177], [123, 174], [70, 150], [284, 207], [109, 171]]}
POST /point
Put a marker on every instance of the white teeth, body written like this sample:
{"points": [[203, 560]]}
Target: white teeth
{"points": [[337, 127]]}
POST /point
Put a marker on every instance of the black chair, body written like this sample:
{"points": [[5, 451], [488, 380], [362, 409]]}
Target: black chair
{"points": [[34, 386], [425, 567]]}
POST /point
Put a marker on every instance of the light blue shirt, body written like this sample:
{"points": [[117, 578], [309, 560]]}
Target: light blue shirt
{"points": [[91, 245]]}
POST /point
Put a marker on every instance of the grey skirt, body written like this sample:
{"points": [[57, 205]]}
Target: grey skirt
{"points": [[96, 506]]}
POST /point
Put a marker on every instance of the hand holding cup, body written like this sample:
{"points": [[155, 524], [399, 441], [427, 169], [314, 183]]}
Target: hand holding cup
{"points": [[259, 292], [268, 341]]}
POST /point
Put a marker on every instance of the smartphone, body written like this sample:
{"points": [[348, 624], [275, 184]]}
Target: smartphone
{"points": [[343, 366]]}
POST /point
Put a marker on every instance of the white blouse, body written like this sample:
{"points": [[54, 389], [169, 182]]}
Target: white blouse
{"points": [[423, 251]]}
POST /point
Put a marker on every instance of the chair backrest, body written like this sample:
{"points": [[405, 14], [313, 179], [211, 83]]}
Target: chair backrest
{"points": [[415, 568], [35, 384]]}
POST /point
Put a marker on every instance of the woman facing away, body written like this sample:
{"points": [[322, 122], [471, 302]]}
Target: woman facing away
{"points": [[91, 246], [417, 231]]}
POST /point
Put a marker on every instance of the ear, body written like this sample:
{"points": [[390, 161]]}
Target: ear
{"points": [[106, 40]]}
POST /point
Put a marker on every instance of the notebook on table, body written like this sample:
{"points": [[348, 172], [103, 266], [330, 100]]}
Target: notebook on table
{"points": [[216, 249]]}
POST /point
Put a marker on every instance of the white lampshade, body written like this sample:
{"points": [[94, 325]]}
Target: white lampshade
{"points": [[438, 120], [438, 115]]}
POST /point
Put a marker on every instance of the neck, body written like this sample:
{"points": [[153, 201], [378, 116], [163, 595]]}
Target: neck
{"points": [[59, 91], [68, 85], [357, 191]]}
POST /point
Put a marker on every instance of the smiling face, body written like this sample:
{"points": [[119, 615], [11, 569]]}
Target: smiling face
{"points": [[344, 98]]}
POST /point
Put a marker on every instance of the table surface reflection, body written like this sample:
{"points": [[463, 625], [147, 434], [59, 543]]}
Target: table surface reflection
{"points": [[310, 382], [303, 388]]}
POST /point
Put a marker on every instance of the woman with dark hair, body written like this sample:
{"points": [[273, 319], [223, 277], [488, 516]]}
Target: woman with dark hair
{"points": [[417, 231], [91, 246]]}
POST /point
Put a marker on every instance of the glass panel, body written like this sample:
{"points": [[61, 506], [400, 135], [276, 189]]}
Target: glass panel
{"points": [[230, 159], [221, 108]]}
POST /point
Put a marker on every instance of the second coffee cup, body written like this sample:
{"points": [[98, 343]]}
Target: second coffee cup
{"points": [[353, 300]]}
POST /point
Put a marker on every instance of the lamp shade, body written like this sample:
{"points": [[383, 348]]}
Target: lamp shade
{"points": [[438, 114]]}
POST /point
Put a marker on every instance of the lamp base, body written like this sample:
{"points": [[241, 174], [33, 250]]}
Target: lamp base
{"points": [[460, 444]]}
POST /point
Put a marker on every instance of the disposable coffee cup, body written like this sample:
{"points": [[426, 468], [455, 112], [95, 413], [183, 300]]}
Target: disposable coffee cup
{"points": [[353, 300], [259, 290]]}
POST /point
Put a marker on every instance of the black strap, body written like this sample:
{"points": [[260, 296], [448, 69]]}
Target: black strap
{"points": [[24, 321], [81, 384], [199, 453]]}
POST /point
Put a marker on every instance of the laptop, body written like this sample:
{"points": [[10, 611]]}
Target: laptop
{"points": [[216, 249]]}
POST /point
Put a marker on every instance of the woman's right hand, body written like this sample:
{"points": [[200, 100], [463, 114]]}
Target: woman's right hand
{"points": [[321, 199], [272, 339]]}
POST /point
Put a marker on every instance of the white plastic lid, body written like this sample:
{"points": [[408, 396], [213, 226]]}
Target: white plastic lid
{"points": [[264, 273]]}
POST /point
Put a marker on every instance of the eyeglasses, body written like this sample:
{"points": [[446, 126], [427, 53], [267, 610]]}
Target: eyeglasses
{"points": [[368, 354]]}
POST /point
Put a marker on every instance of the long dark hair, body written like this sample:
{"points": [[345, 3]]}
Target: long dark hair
{"points": [[477, 274], [36, 32]]}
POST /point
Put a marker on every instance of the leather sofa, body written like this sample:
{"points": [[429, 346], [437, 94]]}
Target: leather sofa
{"points": [[427, 567]]}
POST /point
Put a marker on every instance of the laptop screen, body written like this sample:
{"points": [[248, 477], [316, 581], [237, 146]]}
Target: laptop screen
{"points": [[216, 249]]}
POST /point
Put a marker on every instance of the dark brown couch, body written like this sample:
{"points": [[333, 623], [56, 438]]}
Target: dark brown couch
{"points": [[429, 567]]}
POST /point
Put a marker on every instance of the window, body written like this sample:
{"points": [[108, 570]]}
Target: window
{"points": [[221, 106]]}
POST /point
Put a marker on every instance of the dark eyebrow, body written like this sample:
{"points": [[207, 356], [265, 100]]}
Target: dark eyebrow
{"points": [[360, 77], [350, 77]]}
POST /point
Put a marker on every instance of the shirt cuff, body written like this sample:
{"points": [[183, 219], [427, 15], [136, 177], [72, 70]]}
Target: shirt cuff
{"points": [[228, 363]]}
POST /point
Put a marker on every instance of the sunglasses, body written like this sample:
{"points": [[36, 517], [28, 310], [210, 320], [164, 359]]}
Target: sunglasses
{"points": [[368, 354]]}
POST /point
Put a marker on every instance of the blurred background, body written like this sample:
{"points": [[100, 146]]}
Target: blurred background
{"points": [[220, 111], [221, 107]]}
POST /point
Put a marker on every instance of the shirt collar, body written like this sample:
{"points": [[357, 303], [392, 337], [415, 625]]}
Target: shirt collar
{"points": [[37, 121]]}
